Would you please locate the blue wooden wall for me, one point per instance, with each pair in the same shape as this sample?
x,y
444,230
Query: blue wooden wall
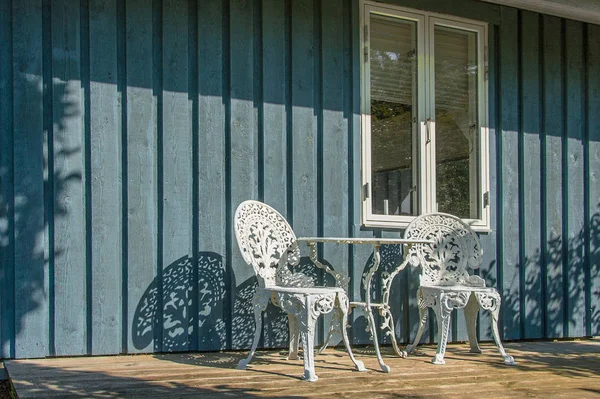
x,y
131,129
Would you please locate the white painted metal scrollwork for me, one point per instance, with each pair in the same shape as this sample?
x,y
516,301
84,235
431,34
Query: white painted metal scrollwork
x,y
456,248
387,320
491,301
264,238
445,282
488,300
324,304
368,304
340,276
269,245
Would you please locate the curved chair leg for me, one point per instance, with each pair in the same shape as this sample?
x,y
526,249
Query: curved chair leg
x,y
492,302
260,302
307,333
422,321
470,312
442,313
342,300
294,336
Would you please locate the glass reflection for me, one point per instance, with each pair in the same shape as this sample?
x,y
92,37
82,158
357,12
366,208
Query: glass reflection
x,y
456,122
393,64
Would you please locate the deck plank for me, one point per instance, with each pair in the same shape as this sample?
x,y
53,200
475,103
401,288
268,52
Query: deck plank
x,y
545,369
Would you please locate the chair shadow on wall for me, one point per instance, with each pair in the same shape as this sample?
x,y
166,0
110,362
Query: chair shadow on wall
x,y
190,307
183,308
186,310
178,314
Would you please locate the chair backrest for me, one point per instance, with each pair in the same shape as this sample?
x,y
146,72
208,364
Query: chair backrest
x,y
264,238
456,247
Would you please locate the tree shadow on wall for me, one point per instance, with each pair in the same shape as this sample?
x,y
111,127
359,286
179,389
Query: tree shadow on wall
x,y
545,289
37,176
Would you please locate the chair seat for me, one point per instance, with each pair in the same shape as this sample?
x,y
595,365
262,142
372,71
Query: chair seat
x,y
305,290
457,288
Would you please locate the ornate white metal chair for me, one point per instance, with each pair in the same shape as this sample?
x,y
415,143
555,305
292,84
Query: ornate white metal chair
x,y
445,282
269,245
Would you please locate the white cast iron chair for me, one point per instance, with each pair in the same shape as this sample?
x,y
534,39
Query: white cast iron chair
x,y
268,244
445,282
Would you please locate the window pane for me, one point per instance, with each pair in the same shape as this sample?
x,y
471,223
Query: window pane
x,y
393,65
456,122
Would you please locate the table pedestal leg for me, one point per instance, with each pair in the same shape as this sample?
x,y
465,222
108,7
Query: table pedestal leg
x,y
384,367
376,261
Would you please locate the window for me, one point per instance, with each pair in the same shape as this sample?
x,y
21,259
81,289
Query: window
x,y
424,117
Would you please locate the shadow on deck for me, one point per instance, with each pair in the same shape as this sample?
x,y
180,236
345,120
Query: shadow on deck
x,y
544,369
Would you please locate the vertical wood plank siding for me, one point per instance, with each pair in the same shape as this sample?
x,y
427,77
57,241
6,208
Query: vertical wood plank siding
x,y
592,178
553,132
274,132
530,189
509,207
106,109
7,203
32,176
68,183
130,130
212,292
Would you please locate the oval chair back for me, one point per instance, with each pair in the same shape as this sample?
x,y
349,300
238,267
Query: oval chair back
x,y
456,249
265,240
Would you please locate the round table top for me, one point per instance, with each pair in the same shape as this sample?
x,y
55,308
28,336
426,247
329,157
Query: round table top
x,y
364,240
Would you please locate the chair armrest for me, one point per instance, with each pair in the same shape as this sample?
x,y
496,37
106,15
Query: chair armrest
x,y
284,276
341,278
476,281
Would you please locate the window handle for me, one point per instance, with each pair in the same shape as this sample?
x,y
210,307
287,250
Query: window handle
x,y
428,126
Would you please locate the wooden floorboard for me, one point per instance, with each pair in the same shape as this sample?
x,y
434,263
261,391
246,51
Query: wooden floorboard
x,y
564,369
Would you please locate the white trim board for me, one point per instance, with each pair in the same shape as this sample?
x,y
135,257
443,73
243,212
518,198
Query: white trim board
x,y
581,10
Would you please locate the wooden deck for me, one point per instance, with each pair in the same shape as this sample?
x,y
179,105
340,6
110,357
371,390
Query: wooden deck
x,y
545,369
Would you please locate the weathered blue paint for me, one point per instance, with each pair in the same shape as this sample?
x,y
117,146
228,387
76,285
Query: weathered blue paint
x,y
212,178
68,188
177,149
592,155
141,184
508,180
530,183
7,228
552,170
274,124
106,197
574,164
130,130
30,154
489,267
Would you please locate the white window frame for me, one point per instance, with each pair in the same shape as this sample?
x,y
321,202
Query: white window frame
x,y
423,150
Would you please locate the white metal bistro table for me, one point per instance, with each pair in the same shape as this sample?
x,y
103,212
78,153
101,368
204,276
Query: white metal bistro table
x,y
342,280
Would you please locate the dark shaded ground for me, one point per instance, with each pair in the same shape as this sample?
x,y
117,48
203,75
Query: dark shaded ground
x,y
5,390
